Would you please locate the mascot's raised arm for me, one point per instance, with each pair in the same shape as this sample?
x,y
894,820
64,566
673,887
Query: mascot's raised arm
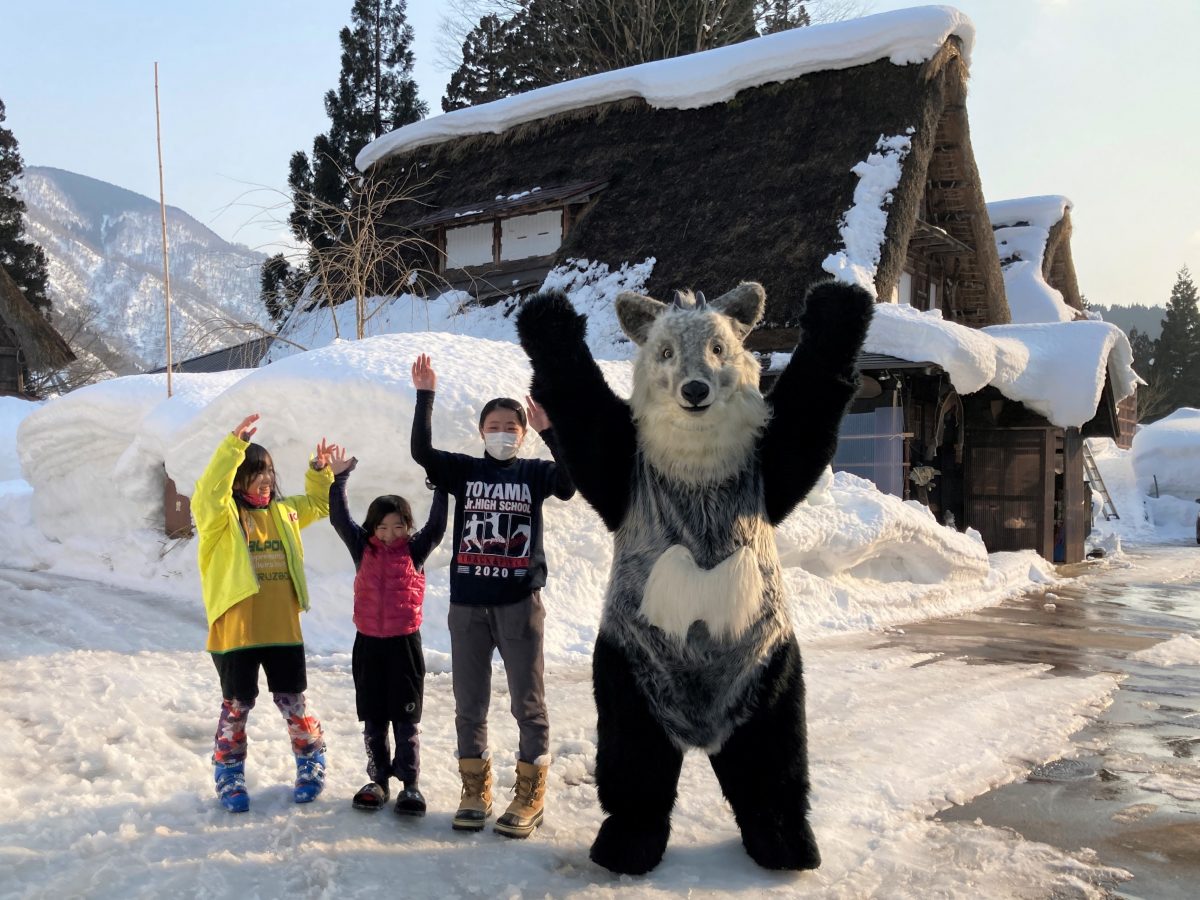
x,y
696,648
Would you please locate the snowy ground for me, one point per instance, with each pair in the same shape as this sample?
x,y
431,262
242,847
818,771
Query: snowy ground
x,y
108,789
113,717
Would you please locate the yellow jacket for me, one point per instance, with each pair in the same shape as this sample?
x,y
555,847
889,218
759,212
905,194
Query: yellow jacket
x,y
226,573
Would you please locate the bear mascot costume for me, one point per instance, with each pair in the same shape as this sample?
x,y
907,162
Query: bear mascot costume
x,y
696,647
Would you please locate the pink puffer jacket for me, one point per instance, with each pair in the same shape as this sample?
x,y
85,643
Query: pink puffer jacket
x,y
388,590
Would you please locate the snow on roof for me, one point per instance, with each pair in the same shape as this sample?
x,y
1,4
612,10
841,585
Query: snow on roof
x,y
1021,229
1056,369
701,79
1168,452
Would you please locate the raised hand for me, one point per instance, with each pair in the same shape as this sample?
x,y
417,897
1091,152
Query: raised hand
x,y
538,420
338,461
244,429
424,378
324,452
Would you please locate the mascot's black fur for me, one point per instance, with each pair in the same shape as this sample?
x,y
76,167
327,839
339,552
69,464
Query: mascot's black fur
x,y
696,648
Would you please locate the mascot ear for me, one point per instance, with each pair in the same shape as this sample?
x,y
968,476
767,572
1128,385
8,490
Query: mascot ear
x,y
637,313
744,304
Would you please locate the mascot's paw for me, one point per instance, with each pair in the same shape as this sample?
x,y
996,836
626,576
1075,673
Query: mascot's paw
x,y
782,845
836,316
547,320
630,847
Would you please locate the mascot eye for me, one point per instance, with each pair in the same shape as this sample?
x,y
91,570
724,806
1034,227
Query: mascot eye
x,y
667,353
717,349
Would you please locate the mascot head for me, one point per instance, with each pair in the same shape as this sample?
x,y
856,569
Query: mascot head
x,y
695,387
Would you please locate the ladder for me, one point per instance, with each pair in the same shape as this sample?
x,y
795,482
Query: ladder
x,y
1092,473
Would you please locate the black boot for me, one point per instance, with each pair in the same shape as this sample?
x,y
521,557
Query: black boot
x,y
410,801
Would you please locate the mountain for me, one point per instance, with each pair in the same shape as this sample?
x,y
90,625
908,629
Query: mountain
x,y
1146,319
103,246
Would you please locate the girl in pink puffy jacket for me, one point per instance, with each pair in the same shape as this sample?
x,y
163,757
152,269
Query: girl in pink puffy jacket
x,y
388,663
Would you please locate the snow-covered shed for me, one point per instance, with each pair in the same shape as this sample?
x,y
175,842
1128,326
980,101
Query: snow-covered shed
x,y
781,159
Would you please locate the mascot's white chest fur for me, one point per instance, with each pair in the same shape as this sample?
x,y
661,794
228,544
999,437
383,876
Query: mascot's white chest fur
x,y
726,598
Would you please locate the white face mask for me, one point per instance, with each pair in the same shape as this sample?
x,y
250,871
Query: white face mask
x,y
501,444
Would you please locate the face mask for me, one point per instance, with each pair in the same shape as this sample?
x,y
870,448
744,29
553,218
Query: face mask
x,y
254,500
501,444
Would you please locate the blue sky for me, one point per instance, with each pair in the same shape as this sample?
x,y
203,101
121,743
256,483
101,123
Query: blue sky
x,y
1094,99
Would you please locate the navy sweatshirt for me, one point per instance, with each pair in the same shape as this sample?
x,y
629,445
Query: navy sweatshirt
x,y
497,533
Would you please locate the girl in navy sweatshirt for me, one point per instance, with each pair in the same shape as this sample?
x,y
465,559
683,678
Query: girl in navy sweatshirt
x,y
388,663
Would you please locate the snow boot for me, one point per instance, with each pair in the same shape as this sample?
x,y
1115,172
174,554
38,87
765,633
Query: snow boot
x,y
231,786
410,801
525,812
310,776
475,804
371,796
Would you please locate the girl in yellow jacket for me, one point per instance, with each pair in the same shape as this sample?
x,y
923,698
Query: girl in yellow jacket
x,y
252,577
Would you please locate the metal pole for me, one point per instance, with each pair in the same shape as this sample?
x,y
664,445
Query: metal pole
x,y
162,205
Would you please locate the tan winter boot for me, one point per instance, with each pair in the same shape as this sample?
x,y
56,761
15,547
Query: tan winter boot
x,y
475,805
525,812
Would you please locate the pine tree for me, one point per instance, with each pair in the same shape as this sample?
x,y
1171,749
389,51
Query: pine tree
x,y
484,74
24,261
1176,368
772,16
280,287
376,94
543,42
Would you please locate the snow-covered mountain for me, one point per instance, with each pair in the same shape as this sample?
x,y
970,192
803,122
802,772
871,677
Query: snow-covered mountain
x,y
103,246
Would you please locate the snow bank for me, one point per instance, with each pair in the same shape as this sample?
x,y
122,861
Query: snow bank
x,y
592,286
1181,650
1168,451
1021,229
854,558
13,411
701,79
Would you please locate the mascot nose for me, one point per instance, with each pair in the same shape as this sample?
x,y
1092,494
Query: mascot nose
x,y
694,392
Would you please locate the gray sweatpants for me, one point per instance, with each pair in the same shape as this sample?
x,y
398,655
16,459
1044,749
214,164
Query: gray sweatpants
x,y
516,630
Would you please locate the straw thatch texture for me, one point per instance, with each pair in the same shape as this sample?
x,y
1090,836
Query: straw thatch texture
x,y
43,348
1058,266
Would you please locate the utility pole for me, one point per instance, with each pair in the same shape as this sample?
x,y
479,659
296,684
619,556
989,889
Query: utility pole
x,y
162,205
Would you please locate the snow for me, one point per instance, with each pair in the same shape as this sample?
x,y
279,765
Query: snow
x,y
1056,369
862,226
12,411
1022,228
1166,455
1181,650
129,743
904,37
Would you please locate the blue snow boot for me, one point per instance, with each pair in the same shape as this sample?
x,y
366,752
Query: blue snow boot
x,y
231,786
310,776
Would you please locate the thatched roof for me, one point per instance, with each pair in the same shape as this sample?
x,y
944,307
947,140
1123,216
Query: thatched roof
x,y
1058,267
43,347
752,188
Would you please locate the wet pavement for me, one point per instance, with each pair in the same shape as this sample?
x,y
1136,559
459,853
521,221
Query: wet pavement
x,y
1131,792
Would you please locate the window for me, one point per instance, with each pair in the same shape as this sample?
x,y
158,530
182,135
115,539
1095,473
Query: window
x,y
871,446
469,245
537,235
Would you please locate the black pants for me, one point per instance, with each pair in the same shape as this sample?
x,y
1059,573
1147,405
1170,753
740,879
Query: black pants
x,y
238,671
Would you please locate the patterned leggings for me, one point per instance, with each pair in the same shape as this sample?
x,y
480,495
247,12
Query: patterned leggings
x,y
230,742
406,764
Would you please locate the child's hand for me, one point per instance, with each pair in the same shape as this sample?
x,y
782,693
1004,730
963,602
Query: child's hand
x,y
243,429
338,461
324,452
538,420
424,378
